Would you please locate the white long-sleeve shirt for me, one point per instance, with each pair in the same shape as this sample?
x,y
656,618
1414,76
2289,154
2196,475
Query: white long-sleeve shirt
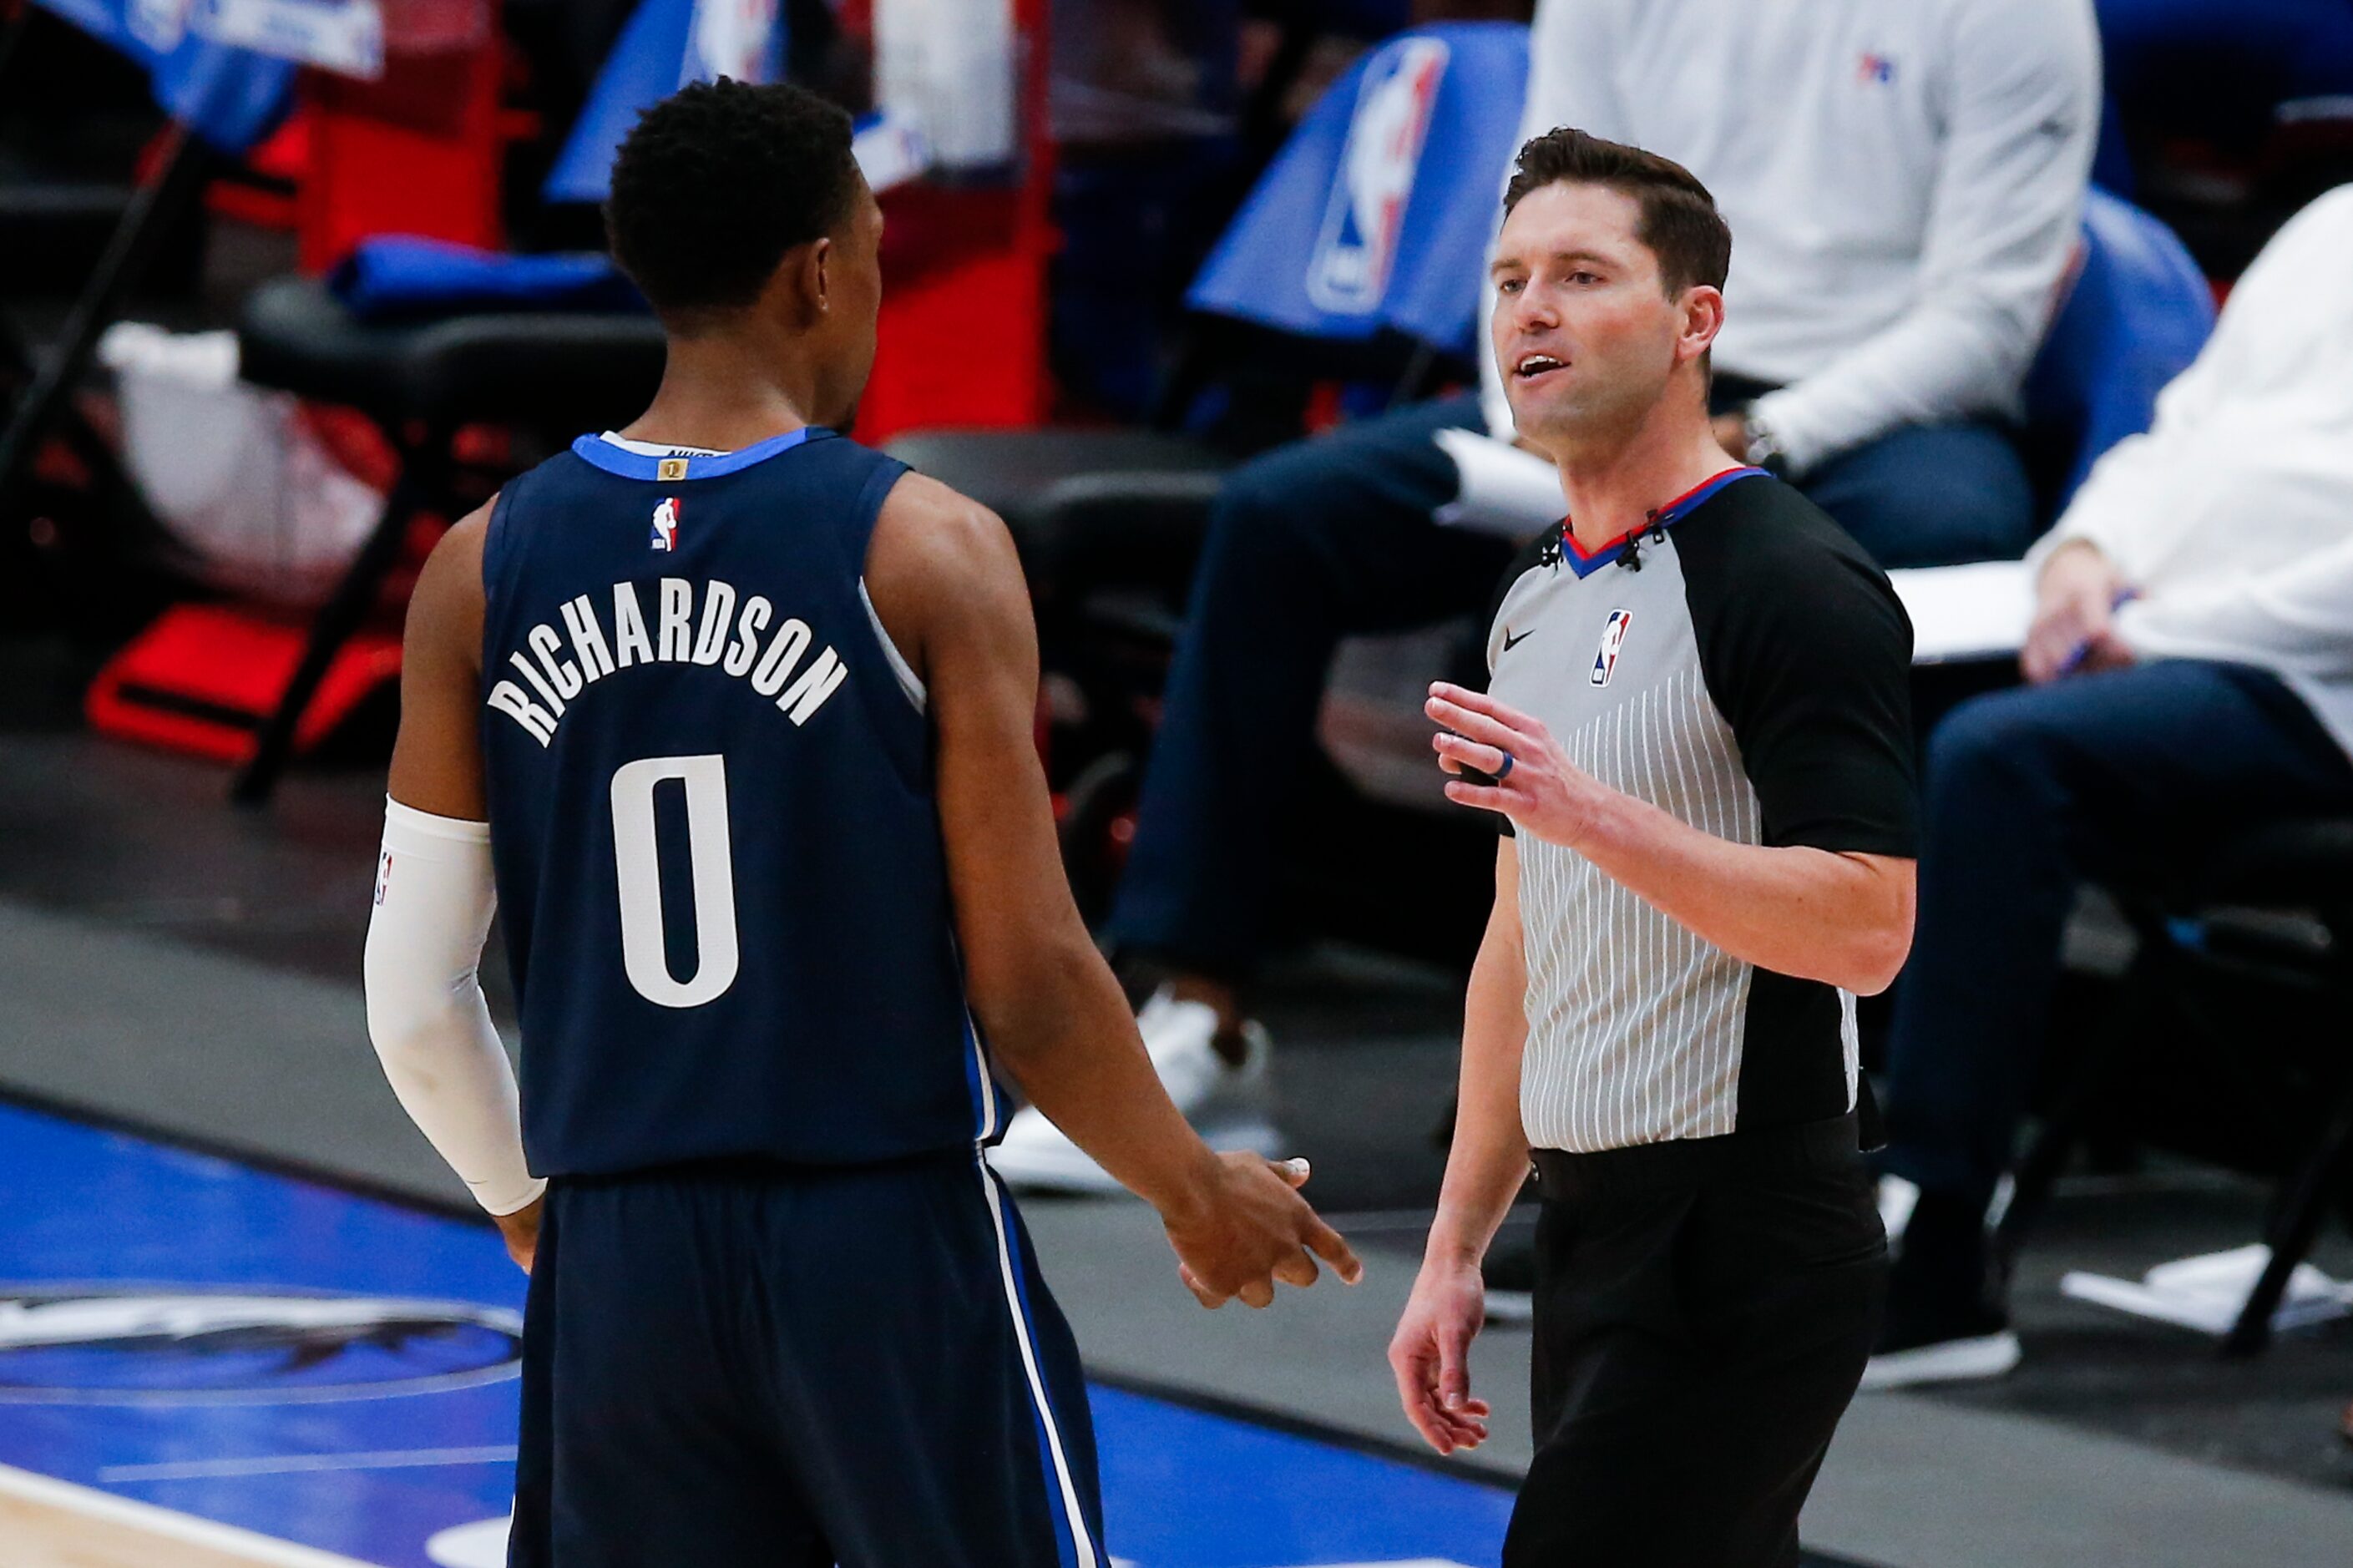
x,y
1903,184
2232,516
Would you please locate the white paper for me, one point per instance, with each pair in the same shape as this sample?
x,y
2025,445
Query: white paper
x,y
1505,491
949,67
341,35
2207,1293
1977,611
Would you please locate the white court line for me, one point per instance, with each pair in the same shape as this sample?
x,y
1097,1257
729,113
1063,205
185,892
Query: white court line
x,y
244,1545
301,1464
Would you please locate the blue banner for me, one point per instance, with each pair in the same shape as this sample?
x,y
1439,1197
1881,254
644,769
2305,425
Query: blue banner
x,y
1377,213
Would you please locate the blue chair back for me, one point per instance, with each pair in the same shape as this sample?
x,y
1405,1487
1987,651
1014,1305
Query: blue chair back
x,y
660,50
2137,309
231,97
1377,215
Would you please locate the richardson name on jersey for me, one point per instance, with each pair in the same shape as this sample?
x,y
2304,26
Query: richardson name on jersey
x,y
556,667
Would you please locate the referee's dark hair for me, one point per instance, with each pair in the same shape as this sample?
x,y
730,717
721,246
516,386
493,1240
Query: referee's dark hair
x,y
715,184
1679,222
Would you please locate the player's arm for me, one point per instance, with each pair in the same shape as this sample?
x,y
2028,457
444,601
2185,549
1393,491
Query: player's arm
x,y
946,583
1430,1351
433,902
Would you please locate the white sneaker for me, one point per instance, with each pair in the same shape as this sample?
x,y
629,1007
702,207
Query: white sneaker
x,y
1897,1199
1230,1104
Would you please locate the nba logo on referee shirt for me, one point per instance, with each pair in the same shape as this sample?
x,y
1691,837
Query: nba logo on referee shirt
x,y
666,524
1613,638
1363,221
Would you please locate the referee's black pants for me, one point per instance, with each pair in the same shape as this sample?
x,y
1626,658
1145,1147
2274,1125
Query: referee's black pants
x,y
1701,1322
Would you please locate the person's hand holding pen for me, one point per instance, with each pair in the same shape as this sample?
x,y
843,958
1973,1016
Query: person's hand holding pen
x,y
2076,600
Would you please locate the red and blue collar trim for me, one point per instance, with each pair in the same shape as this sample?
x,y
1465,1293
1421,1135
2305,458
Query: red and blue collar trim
x,y
1667,516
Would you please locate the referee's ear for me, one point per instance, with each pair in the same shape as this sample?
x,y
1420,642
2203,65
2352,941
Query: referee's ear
x,y
1701,306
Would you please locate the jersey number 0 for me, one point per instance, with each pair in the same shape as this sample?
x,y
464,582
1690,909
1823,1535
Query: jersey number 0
x,y
637,858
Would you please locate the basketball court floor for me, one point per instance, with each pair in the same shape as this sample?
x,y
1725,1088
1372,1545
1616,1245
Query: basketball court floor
x,y
244,1318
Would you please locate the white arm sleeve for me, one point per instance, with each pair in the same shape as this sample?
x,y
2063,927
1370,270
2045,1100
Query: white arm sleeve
x,y
432,1030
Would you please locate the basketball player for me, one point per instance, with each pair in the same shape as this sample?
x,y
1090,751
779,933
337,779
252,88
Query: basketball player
x,y
733,716
1697,740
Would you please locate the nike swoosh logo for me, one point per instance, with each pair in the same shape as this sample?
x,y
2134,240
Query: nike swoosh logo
x,y
1510,642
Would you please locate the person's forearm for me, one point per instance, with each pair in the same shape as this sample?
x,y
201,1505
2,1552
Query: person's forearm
x,y
1797,911
1489,1158
425,1015
1063,1030
1930,366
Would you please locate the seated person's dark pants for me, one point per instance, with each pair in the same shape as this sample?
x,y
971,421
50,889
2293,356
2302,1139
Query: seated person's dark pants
x,y
2029,791
1332,538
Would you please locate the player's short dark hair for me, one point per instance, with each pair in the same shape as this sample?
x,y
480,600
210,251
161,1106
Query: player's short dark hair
x,y
1679,222
717,181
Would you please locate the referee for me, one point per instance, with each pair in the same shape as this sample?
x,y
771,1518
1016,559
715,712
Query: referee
x,y
1698,740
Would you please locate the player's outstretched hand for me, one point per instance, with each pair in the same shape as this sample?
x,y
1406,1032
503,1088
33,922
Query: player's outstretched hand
x,y
1252,1229
1430,1354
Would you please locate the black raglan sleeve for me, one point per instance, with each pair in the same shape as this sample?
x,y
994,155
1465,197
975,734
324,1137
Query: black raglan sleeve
x,y
1807,652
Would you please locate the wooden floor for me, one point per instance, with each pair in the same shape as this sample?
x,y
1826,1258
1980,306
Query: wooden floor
x,y
47,1523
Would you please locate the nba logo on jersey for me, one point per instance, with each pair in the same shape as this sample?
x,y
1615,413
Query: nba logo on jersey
x,y
666,524
1349,270
1613,638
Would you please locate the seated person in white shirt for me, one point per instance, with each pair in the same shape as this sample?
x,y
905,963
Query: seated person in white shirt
x,y
1904,185
2190,660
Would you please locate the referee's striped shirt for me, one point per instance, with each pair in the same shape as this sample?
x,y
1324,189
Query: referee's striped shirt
x,y
1742,665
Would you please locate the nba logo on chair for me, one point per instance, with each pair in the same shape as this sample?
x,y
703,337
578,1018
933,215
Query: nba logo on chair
x,y
1349,270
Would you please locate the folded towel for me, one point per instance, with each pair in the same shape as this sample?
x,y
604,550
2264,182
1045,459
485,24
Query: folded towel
x,y
400,277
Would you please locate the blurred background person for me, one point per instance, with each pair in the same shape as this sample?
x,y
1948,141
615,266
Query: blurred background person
x,y
2191,658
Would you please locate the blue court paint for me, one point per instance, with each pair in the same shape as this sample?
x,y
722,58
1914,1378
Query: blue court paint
x,y
336,1370
1184,1488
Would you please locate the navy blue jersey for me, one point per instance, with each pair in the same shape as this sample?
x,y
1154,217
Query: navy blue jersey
x,y
717,850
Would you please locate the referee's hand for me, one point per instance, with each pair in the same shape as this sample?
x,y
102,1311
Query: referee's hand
x,y
1253,1229
1523,771
1430,1353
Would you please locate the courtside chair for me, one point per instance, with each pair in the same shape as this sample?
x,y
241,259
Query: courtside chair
x,y
2135,309
546,373
219,102
2269,904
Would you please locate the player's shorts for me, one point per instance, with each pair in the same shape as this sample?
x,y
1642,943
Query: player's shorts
x,y
1703,1312
796,1369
